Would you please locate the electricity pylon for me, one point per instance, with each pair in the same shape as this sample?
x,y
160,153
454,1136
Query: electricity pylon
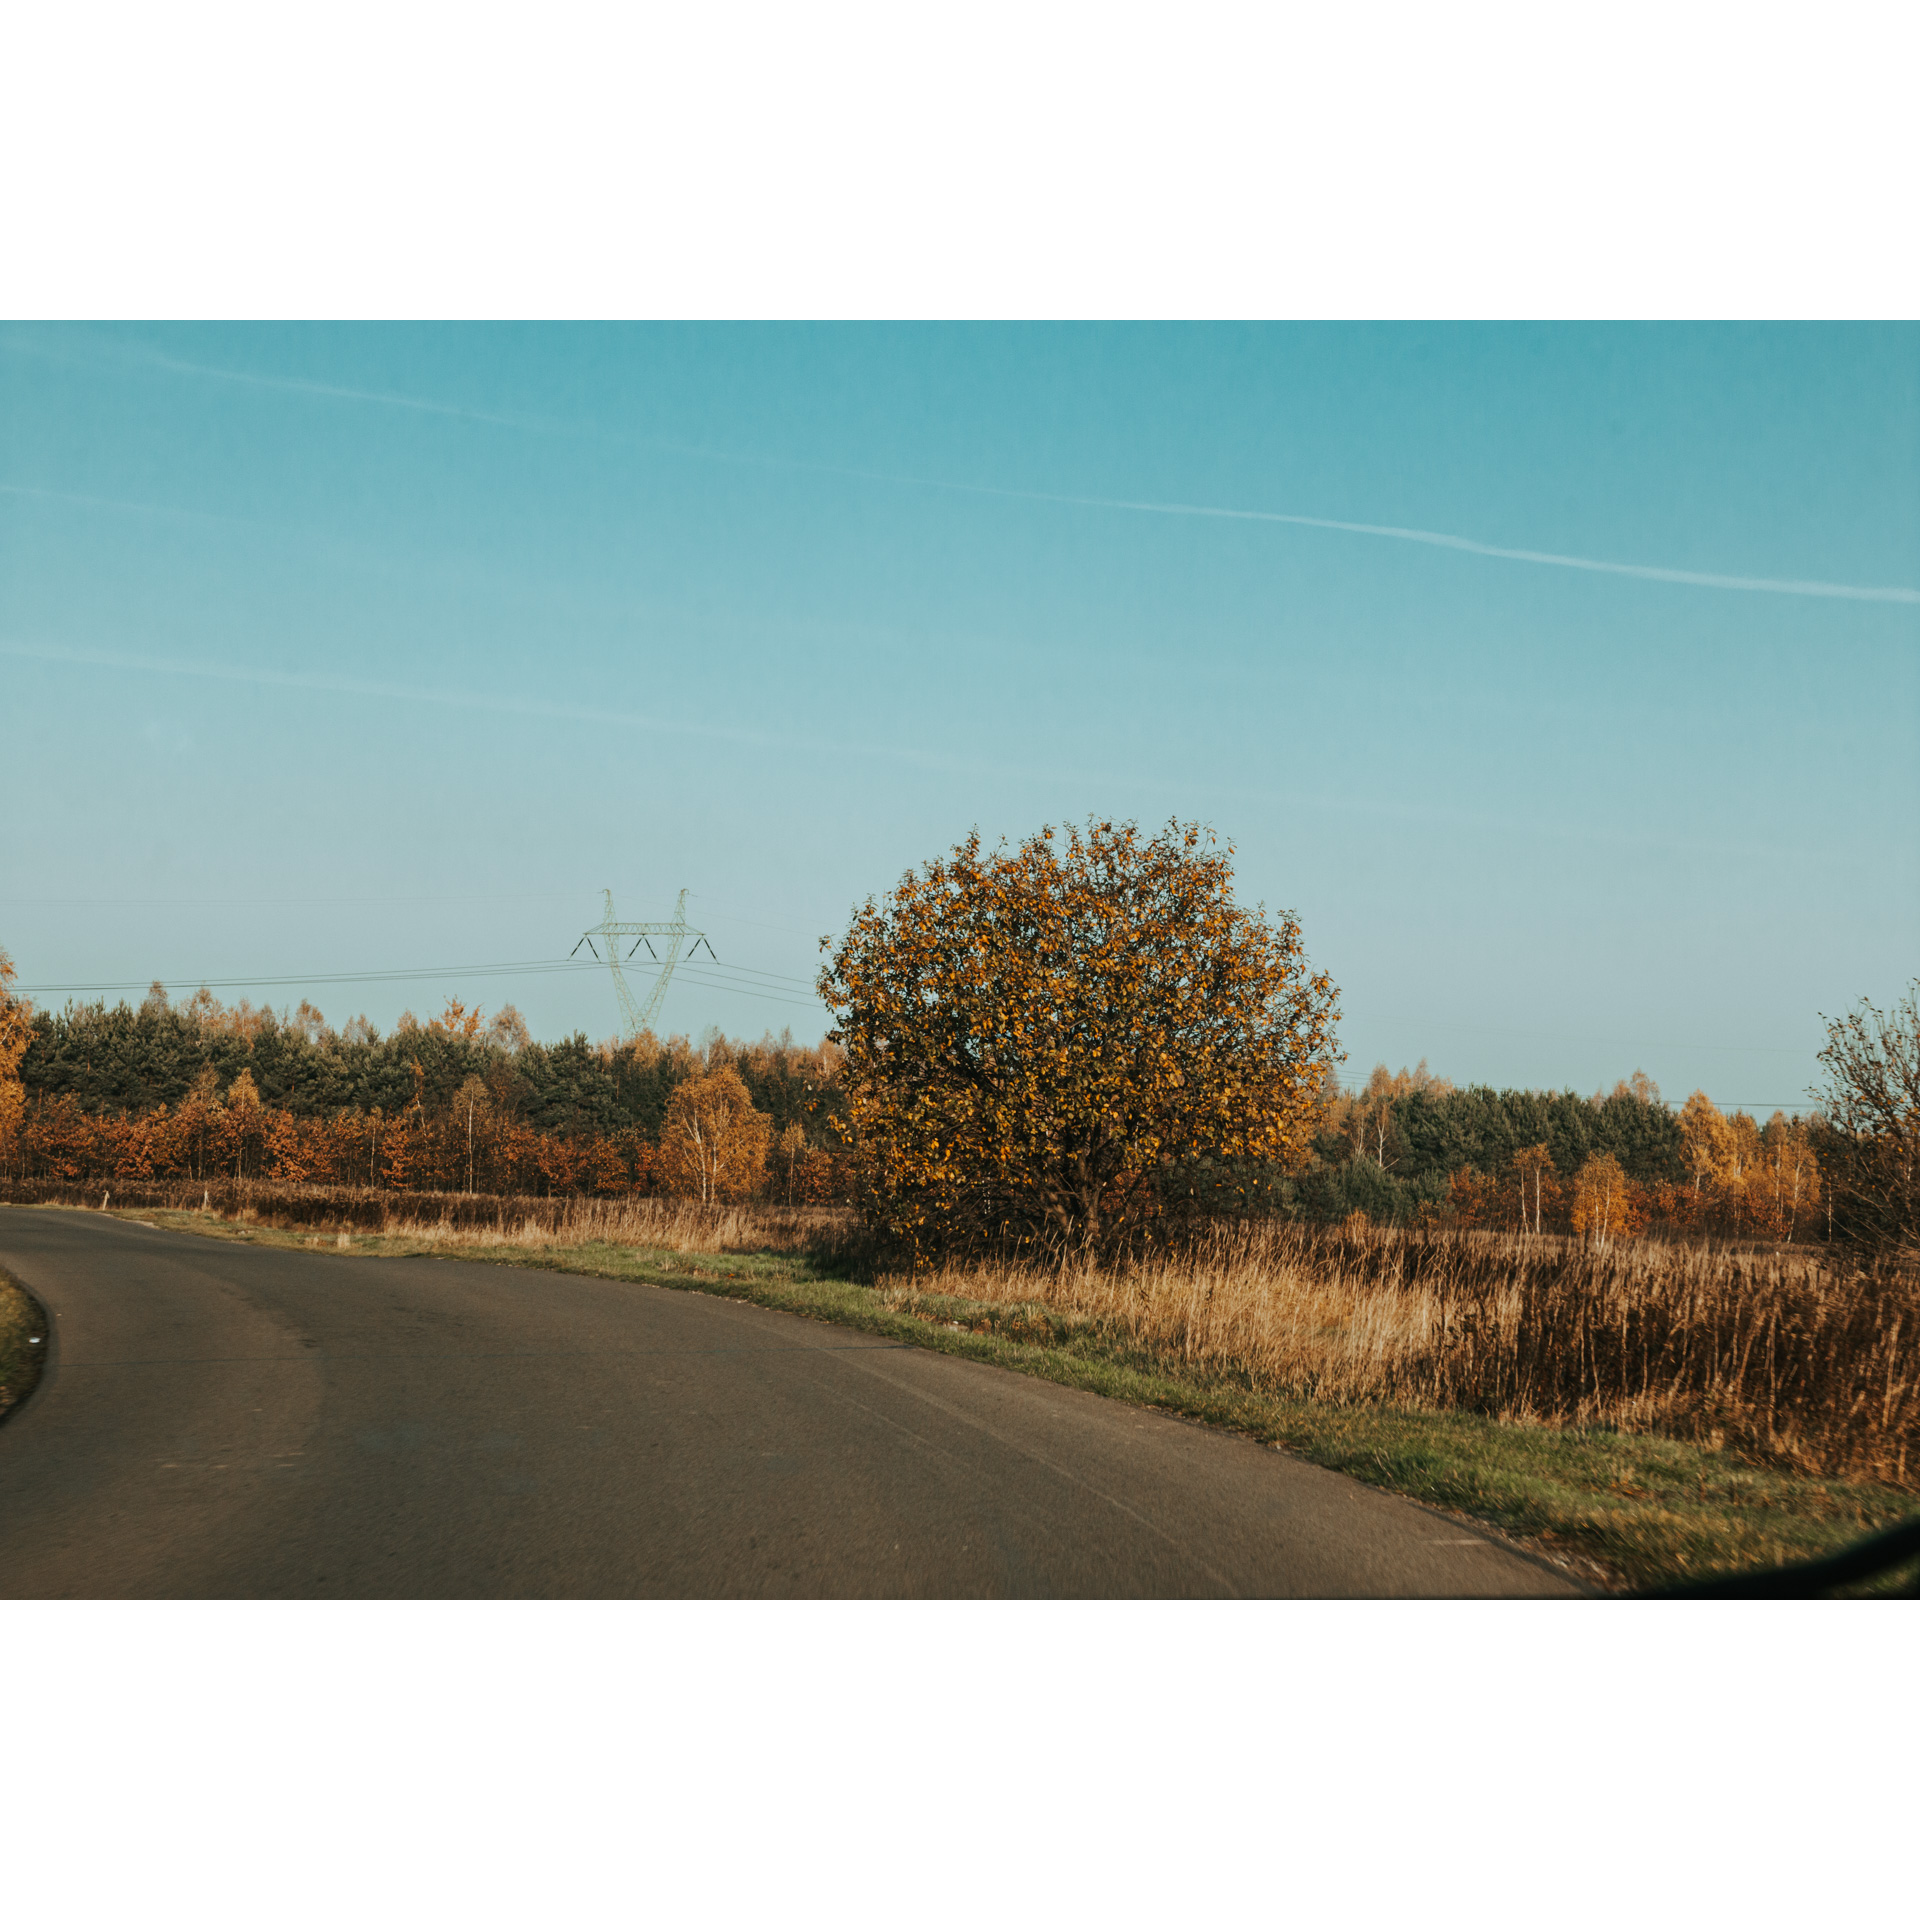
x,y
674,932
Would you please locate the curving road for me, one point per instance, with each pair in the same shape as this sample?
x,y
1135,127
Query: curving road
x,y
219,1420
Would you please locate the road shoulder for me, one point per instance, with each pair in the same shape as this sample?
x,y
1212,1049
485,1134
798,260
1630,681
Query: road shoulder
x,y
23,1343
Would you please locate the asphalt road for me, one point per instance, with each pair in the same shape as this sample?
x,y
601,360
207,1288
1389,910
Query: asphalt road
x,y
220,1420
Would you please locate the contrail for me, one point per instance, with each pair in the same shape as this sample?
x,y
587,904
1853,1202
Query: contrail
x,y
366,689
1078,780
1421,536
326,390
108,505
1679,576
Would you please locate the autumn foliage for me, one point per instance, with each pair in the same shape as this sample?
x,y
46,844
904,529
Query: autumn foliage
x,y
714,1143
1603,1201
459,1105
1047,1047
1871,1139
1742,1181
15,1032
1031,1035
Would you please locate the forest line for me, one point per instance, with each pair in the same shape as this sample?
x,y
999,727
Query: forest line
x,y
462,1103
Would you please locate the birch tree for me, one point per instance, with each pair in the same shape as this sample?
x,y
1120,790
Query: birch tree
x,y
714,1143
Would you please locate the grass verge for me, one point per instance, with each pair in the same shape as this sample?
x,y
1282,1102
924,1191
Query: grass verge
x,y
23,1343
1624,1510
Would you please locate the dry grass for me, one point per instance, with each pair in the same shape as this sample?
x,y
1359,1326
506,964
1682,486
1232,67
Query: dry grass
x,y
452,1221
1782,1356
679,1226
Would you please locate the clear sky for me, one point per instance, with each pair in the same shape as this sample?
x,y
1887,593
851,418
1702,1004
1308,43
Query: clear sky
x,y
351,649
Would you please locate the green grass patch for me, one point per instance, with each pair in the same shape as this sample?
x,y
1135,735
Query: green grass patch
x,y
23,1343
1625,1510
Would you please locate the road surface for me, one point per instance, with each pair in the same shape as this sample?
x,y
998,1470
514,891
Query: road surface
x,y
223,1420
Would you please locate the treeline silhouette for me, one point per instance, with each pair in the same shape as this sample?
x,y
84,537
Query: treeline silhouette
x,y
201,1090
1411,1148
458,1103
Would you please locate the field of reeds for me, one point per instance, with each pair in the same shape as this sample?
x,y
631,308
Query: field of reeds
x,y
1796,1359
1790,1359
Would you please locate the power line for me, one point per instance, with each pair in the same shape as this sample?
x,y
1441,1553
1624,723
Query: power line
x,y
482,968
702,972
1357,1083
761,973
279,899
495,970
1583,1039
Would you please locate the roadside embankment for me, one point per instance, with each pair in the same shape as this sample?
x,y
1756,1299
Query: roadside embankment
x,y
23,1343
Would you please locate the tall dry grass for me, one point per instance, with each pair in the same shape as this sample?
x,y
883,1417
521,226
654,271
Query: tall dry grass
x,y
1786,1357
453,1220
679,1226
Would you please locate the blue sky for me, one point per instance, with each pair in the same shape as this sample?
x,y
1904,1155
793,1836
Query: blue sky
x,y
348,649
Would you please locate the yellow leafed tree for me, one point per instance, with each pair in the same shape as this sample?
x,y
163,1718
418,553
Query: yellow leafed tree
x,y
1601,1199
16,1017
1538,1189
1783,1188
1743,1150
1709,1142
713,1142
471,1106
246,1124
459,1020
1031,1035
788,1152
